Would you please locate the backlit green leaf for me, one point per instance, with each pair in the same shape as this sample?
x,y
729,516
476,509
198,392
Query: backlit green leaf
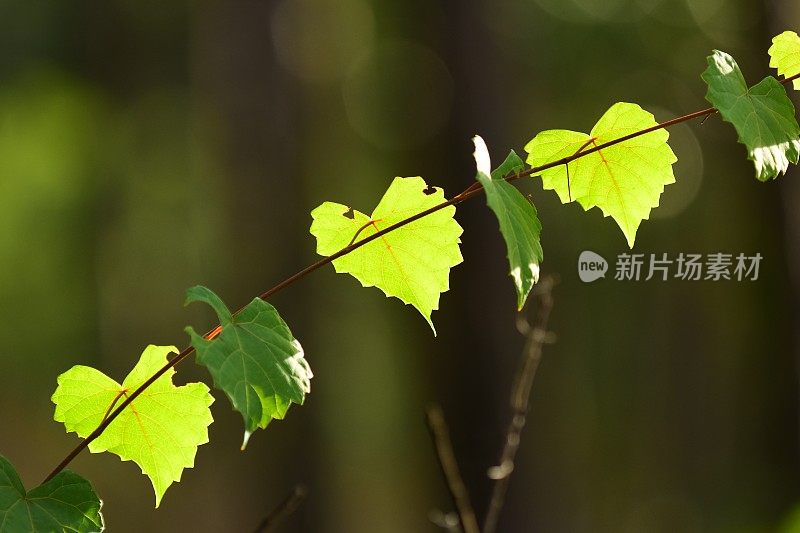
x,y
255,360
159,431
763,115
65,503
519,223
412,262
785,55
624,180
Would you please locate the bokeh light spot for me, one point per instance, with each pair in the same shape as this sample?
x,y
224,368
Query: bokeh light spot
x,y
317,40
398,96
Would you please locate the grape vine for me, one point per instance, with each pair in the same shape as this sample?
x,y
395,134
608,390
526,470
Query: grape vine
x,y
406,247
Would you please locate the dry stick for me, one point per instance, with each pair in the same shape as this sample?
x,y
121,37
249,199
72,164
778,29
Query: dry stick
x,y
520,393
440,434
536,336
288,506
469,192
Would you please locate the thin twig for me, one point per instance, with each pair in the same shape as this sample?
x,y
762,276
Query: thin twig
x,y
469,192
288,505
440,434
362,228
536,335
119,395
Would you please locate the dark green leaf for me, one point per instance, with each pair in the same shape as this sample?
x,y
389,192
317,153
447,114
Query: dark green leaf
x,y
519,223
255,360
65,503
763,115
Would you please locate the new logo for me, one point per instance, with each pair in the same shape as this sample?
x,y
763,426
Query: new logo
x,y
591,266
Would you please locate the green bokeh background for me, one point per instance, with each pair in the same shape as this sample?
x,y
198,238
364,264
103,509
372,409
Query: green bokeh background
x,y
146,147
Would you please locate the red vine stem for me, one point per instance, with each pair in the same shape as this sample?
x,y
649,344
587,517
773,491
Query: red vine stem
x,y
474,189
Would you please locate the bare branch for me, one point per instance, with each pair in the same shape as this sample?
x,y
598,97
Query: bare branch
x,y
536,335
440,434
288,505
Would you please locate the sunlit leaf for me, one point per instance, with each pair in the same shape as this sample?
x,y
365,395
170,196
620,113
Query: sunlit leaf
x,y
624,180
411,263
159,431
785,55
763,115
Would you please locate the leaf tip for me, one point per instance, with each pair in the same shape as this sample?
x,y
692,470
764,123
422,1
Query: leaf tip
x,y
193,335
481,155
429,320
245,440
199,293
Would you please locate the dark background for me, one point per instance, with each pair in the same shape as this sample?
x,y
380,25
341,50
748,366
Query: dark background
x,y
148,146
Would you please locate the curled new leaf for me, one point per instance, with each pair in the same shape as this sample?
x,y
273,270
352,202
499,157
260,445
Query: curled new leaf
x,y
65,503
412,262
785,55
762,115
159,431
255,360
519,222
624,180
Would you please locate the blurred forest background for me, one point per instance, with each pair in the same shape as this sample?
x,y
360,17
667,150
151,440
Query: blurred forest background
x,y
149,146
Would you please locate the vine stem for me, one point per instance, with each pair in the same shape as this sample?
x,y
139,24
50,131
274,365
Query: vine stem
x,y
467,193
